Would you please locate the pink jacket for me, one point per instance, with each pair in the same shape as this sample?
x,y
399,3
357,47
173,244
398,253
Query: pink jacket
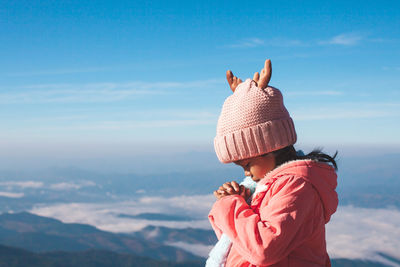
x,y
285,225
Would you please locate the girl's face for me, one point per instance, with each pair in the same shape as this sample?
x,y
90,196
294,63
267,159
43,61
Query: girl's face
x,y
257,167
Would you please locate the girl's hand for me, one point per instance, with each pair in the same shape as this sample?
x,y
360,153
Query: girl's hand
x,y
232,188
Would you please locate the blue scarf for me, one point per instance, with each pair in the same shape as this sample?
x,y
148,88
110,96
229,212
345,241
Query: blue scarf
x,y
218,255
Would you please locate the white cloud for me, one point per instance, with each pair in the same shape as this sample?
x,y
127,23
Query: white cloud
x,y
64,186
278,41
248,42
314,93
56,72
83,95
197,204
197,249
22,184
340,114
151,119
35,185
347,111
387,68
11,194
346,39
284,42
127,125
105,215
96,92
359,233
354,233
69,186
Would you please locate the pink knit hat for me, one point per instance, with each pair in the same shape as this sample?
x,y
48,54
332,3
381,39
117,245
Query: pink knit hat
x,y
253,122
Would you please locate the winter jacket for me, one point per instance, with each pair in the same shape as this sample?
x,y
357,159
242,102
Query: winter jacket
x,y
285,223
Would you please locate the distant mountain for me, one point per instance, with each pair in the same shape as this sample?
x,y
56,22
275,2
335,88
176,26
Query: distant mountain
x,y
207,237
356,263
14,257
105,187
41,234
366,181
48,242
369,181
156,217
162,234
125,184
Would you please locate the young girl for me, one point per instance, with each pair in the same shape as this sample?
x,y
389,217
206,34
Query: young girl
x,y
284,224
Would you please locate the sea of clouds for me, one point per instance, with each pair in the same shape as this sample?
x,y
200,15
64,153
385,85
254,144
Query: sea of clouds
x,y
18,189
352,233
106,216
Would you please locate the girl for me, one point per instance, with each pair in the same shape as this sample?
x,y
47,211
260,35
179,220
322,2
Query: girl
x,y
284,224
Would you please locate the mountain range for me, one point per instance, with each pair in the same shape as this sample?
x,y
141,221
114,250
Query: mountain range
x,y
31,240
16,257
41,234
370,181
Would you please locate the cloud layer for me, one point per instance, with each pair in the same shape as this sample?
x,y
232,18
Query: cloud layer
x,y
359,233
96,92
354,233
105,215
11,194
22,184
345,39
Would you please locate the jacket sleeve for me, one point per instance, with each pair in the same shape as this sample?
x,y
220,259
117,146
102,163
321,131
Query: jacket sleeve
x,y
283,224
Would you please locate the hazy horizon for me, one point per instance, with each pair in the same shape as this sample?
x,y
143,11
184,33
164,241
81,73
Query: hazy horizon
x,y
110,107
84,79
139,158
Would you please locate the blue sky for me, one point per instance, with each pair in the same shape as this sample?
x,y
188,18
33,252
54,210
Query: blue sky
x,y
98,77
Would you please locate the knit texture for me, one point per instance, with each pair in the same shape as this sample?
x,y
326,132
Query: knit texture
x,y
253,122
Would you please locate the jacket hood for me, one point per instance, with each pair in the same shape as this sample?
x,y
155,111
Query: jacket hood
x,y
321,175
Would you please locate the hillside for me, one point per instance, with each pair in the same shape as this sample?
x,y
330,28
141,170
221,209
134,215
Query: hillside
x,y
31,240
41,234
15,257
162,234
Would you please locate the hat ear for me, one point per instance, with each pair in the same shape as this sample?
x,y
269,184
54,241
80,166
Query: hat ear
x,y
233,81
261,79
265,75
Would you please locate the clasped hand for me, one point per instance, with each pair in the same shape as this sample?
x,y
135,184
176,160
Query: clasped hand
x,y
232,188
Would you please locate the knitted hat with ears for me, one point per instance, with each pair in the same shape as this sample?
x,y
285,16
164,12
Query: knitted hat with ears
x,y
253,122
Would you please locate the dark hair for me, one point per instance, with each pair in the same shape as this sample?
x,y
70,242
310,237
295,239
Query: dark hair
x,y
289,153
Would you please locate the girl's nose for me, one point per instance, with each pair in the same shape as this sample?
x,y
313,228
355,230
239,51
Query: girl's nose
x,y
247,173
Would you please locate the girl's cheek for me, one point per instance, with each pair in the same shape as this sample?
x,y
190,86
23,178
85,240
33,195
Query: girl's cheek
x,y
255,172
